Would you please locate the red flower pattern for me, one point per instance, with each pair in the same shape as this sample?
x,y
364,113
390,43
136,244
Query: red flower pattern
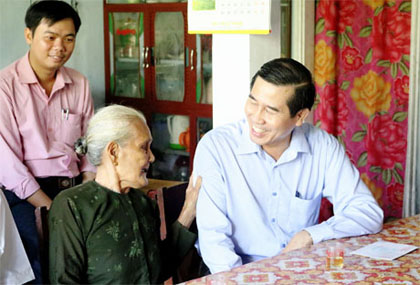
x,y
351,59
386,142
328,11
346,13
333,110
391,34
402,89
395,193
368,38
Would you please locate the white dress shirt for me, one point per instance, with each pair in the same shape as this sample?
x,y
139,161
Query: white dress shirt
x,y
250,205
14,264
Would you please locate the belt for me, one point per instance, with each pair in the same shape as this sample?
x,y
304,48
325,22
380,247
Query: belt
x,y
59,182
50,185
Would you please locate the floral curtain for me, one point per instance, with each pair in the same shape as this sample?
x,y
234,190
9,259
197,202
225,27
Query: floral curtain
x,y
362,52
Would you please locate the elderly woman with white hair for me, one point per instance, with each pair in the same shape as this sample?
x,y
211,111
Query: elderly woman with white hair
x,y
107,231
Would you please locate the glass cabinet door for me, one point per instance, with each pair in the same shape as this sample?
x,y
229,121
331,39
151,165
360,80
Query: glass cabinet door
x,y
204,84
169,56
127,57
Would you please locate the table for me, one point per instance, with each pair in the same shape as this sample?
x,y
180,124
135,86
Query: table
x,y
307,266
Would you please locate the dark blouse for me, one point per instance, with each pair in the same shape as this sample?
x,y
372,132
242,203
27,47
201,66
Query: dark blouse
x,y
100,236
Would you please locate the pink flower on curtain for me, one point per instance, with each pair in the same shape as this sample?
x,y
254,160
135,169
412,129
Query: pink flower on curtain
x,y
386,142
402,85
395,193
390,37
333,110
346,12
328,11
351,59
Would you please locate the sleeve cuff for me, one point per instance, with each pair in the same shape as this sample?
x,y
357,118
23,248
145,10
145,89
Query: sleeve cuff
x,y
27,188
182,239
320,232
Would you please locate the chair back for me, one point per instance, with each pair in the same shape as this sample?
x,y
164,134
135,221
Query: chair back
x,y
41,220
170,201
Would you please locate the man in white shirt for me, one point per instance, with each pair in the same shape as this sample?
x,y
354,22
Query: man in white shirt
x,y
264,177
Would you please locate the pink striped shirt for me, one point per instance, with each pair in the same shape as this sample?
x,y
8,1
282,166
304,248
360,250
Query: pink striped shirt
x,y
36,134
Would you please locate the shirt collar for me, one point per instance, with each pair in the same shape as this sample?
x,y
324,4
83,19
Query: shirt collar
x,y
245,145
27,74
298,143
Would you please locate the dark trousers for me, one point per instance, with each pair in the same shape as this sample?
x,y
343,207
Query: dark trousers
x,y
24,216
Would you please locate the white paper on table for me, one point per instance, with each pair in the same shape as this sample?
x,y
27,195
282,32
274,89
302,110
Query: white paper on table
x,y
385,250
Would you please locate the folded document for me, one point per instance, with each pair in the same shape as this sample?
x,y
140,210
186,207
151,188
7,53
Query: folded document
x,y
385,250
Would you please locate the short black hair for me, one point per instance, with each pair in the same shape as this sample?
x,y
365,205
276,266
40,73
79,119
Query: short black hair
x,y
287,71
52,11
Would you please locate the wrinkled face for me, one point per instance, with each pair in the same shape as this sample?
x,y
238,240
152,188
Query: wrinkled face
x,y
51,46
268,116
135,156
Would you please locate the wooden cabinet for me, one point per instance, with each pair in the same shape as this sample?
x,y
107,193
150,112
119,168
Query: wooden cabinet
x,y
155,66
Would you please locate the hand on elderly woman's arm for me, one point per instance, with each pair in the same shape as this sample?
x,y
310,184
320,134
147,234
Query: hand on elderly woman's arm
x,y
189,209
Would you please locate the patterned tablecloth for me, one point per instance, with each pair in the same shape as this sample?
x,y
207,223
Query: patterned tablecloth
x,y
308,266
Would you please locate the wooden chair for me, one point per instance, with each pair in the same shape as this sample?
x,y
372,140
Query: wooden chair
x,y
41,219
170,201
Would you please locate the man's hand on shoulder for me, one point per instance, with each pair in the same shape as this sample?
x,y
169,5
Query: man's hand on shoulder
x,y
301,239
188,211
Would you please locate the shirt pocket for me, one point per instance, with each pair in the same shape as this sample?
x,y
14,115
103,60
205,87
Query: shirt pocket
x,y
71,129
303,213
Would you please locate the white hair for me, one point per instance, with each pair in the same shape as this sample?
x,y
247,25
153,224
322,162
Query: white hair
x,y
111,123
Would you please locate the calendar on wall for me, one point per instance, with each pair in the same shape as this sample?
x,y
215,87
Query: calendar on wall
x,y
229,16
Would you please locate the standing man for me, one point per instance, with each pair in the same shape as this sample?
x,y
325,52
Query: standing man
x,y
264,177
44,108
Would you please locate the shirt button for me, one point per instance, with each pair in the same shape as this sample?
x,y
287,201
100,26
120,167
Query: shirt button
x,y
274,193
273,220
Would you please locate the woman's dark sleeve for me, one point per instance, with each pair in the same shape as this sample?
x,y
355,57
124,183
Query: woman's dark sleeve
x,y
178,242
66,246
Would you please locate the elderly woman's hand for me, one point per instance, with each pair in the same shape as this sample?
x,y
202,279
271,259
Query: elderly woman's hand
x,y
189,209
